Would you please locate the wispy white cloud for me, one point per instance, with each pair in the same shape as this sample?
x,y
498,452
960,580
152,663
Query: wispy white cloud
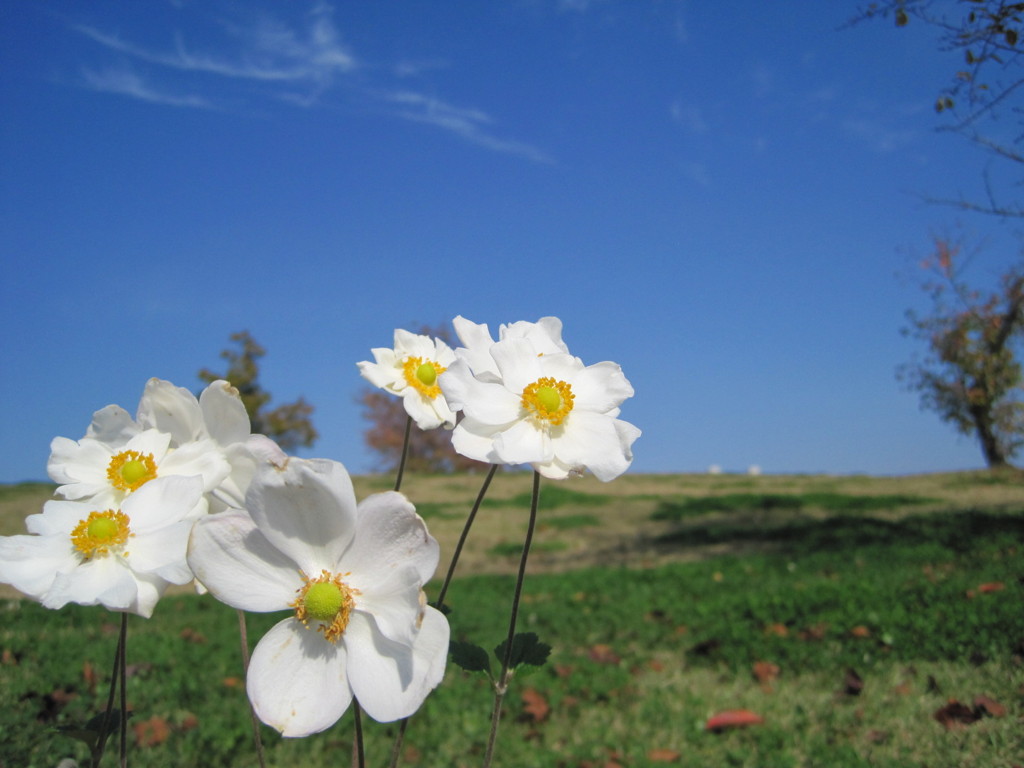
x,y
879,136
689,116
297,64
124,82
467,123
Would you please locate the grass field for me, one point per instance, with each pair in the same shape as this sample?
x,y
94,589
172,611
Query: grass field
x,y
849,613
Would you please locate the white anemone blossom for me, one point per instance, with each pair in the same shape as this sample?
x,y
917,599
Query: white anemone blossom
x,y
352,576
545,335
172,434
121,558
411,371
547,410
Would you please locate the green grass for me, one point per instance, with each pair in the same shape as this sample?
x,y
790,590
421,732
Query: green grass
x,y
836,503
640,659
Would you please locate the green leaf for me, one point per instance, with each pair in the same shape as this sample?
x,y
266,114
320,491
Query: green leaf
x,y
471,658
90,732
526,649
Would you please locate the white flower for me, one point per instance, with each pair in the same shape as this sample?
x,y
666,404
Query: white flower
x,y
352,577
545,335
173,434
545,410
411,371
120,558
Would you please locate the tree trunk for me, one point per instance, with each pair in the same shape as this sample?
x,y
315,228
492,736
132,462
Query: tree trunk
x,y
991,447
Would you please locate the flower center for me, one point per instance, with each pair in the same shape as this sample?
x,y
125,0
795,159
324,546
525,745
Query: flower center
x,y
422,375
101,532
128,470
327,601
548,400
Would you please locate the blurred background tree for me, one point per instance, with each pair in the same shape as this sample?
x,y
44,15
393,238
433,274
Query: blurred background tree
x,y
971,376
289,424
429,451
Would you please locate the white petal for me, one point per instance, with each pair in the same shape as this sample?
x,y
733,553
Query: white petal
x,y
171,409
105,580
232,559
383,375
306,509
391,680
518,362
475,440
591,440
422,410
80,467
30,563
523,443
203,458
601,387
224,413
297,681
389,534
164,501
59,517
162,553
488,402
112,425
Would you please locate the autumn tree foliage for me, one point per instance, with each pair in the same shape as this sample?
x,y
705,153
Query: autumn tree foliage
x,y
429,451
289,424
971,375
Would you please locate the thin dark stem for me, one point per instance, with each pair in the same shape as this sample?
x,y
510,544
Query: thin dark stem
x,y
256,739
405,453
123,645
465,535
501,686
358,758
101,741
396,749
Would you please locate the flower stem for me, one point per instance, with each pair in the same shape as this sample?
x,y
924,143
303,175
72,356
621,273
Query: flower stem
x,y
123,674
256,740
358,758
465,533
405,453
501,685
101,740
396,749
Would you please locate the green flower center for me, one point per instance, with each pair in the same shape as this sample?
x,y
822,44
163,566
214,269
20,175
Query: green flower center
x,y
323,601
422,375
102,528
326,601
548,398
129,470
427,373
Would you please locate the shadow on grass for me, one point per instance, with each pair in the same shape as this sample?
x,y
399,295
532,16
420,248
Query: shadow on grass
x,y
955,531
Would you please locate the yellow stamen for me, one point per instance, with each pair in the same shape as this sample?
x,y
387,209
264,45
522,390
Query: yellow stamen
x,y
101,532
129,470
422,375
326,600
548,400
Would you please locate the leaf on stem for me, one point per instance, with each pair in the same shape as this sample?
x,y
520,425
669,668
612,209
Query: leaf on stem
x,y
526,649
470,657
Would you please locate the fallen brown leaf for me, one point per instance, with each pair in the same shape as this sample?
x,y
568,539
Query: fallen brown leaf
x,y
152,732
991,586
955,715
535,707
663,755
860,631
603,654
776,629
765,672
732,718
984,705
852,683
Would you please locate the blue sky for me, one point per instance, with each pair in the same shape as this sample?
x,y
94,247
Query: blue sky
x,y
728,206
